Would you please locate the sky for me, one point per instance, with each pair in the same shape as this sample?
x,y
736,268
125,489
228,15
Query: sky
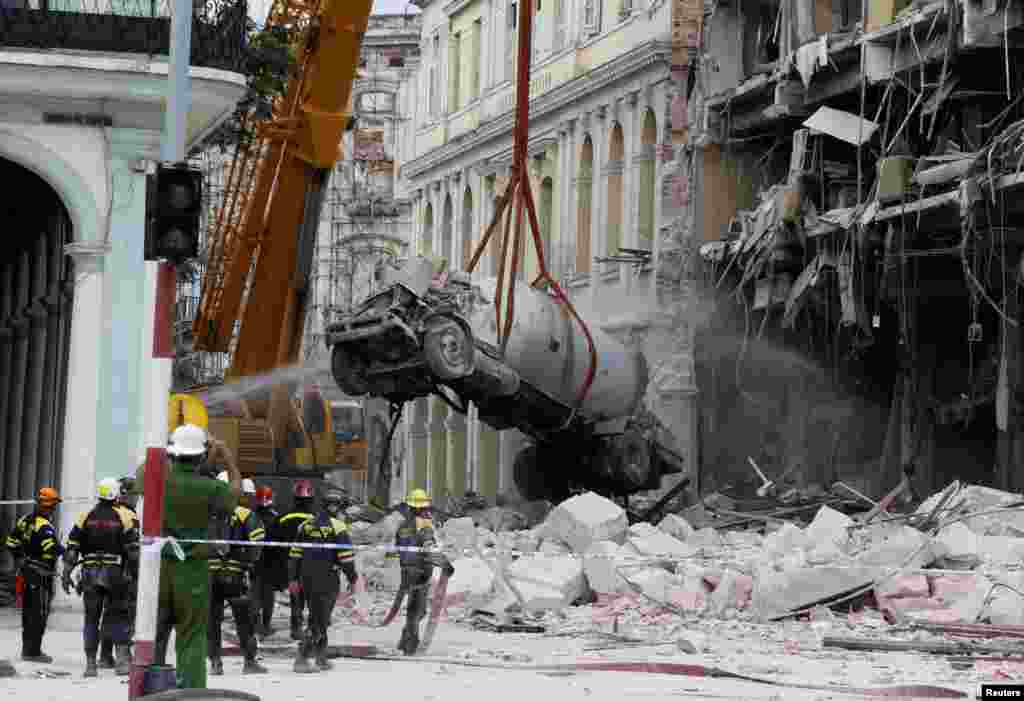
x,y
258,8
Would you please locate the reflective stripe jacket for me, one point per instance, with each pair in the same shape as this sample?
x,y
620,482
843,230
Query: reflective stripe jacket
x,y
34,539
415,532
243,525
107,535
323,528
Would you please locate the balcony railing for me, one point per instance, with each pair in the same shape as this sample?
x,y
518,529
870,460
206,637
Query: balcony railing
x,y
126,26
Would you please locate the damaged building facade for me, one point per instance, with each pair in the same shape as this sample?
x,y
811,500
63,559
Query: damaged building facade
x,y
853,174
601,91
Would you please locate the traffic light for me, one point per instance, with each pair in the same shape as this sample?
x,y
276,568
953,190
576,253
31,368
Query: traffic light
x,y
174,200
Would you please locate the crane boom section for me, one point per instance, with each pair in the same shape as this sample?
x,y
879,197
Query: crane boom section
x,y
264,237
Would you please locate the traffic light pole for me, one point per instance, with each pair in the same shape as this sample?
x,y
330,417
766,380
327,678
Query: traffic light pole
x,y
172,151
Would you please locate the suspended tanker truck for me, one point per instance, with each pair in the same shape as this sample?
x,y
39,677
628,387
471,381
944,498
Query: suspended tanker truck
x,y
418,338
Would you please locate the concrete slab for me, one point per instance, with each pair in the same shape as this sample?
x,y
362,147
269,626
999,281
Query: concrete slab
x,y
645,540
599,566
676,526
544,575
586,519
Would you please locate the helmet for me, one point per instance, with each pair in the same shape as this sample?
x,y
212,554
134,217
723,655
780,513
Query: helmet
x,y
248,486
223,476
48,497
335,497
264,496
187,440
108,489
303,489
418,499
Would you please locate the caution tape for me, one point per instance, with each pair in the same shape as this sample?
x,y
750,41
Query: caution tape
x,y
639,560
18,502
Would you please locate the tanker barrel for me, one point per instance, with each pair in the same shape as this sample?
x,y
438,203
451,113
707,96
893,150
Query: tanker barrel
x,y
493,378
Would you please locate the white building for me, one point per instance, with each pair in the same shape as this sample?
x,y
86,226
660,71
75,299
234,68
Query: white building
x,y
82,110
601,92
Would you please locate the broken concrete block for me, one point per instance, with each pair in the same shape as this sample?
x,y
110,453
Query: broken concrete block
x,y
730,589
526,542
385,530
692,595
473,581
706,538
648,541
1005,607
825,553
459,535
907,586
676,526
906,547
778,593
485,538
1001,550
563,575
786,539
361,533
586,519
600,564
553,547
654,582
829,526
960,544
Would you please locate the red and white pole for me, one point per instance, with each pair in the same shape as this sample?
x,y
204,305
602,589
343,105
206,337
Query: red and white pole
x,y
154,482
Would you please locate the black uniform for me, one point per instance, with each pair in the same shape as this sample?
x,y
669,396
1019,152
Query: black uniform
x,y
269,575
417,531
107,540
230,574
34,542
132,568
317,570
285,531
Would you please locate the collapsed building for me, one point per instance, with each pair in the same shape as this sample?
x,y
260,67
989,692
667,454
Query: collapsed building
x,y
851,175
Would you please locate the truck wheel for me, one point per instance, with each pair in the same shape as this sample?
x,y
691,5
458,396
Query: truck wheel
x,y
629,457
348,372
448,348
533,483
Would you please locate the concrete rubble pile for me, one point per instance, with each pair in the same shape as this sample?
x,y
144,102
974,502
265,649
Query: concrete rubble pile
x,y
584,562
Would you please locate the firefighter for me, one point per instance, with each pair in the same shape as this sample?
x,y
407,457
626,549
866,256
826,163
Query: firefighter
x,y
107,539
126,501
268,575
284,532
315,572
230,582
35,547
185,584
417,531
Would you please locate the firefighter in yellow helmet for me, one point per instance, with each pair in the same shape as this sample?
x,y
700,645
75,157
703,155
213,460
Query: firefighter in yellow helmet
x,y
35,548
416,535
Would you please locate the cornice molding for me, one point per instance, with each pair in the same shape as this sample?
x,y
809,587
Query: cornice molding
x,y
565,95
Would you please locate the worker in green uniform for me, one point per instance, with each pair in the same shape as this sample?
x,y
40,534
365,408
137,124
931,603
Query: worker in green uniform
x,y
185,584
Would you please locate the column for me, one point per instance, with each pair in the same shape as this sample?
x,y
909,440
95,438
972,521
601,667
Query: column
x,y
663,153
38,345
631,174
512,441
121,331
488,461
457,190
437,225
419,444
456,456
570,201
438,465
83,378
598,194
19,335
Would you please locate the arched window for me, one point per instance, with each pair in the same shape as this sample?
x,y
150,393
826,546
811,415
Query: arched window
x,y
584,188
647,194
616,150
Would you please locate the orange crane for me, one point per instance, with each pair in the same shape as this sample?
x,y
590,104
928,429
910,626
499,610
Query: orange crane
x,y
262,242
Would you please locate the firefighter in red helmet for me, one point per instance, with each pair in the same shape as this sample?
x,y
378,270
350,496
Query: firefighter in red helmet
x,y
285,531
268,574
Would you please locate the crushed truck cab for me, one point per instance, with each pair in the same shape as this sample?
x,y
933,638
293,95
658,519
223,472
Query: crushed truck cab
x,y
422,336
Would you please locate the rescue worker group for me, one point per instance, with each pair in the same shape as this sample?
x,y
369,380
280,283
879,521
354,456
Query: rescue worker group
x,y
199,579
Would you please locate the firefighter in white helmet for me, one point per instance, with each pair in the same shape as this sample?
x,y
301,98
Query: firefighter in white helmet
x,y
231,580
107,539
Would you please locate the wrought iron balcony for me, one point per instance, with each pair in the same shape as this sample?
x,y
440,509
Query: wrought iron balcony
x,y
126,26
